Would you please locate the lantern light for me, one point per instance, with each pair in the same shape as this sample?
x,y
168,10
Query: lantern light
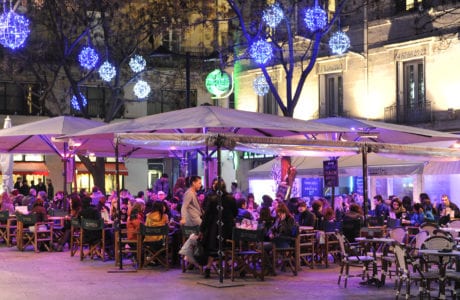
x,y
141,89
88,58
218,82
339,42
74,102
315,18
260,85
107,71
273,15
14,30
137,63
261,52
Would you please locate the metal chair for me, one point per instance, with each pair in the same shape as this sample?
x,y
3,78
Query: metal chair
x,y
349,258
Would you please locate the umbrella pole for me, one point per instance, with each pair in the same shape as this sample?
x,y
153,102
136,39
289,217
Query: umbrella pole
x,y
364,151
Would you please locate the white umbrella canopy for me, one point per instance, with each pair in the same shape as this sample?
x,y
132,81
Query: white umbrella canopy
x,y
40,136
6,161
199,120
374,131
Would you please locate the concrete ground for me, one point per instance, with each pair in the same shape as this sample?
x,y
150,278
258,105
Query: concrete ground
x,y
56,275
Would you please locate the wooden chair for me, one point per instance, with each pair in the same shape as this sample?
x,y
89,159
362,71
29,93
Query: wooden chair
x,y
331,244
186,233
154,254
92,236
307,247
247,254
11,230
4,216
74,244
350,258
132,247
33,233
287,256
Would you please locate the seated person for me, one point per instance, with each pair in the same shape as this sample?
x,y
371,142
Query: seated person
x,y
418,217
157,217
304,217
352,222
243,213
39,209
91,213
284,226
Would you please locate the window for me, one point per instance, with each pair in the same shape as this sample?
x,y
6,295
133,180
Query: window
x,y
20,98
172,40
267,104
96,97
333,96
168,100
414,83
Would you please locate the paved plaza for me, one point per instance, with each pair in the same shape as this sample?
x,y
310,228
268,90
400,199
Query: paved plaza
x,y
56,275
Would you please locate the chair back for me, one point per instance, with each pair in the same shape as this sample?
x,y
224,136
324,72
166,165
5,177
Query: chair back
x,y
154,230
420,238
351,228
4,215
75,222
88,224
400,254
375,221
438,243
454,224
439,232
398,234
27,220
393,223
430,227
244,235
188,230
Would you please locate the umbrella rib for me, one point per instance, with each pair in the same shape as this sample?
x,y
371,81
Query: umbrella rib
x,y
49,143
20,143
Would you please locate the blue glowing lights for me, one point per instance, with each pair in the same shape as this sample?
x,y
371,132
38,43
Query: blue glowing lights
x,y
137,63
339,43
74,102
107,71
260,85
261,52
88,58
14,30
315,18
273,15
141,89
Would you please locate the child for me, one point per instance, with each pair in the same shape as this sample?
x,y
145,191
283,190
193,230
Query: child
x,y
418,217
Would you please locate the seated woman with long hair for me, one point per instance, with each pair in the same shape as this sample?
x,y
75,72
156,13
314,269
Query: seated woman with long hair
x,y
157,217
283,227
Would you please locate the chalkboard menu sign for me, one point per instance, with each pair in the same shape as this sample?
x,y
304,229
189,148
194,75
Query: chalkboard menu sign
x,y
331,173
312,187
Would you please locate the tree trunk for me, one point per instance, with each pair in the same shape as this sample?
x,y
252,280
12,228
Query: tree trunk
x,y
97,170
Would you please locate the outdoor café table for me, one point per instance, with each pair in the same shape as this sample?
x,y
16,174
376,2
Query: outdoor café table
x,y
442,266
375,244
452,230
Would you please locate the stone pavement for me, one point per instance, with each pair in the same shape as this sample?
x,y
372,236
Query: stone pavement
x,y
28,275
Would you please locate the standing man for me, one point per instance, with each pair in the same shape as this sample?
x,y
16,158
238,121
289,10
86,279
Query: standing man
x,y
191,211
50,188
162,184
40,186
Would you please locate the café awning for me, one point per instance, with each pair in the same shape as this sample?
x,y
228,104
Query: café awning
x,y
110,168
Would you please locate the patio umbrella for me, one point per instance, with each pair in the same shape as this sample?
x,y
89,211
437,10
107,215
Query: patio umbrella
x,y
6,161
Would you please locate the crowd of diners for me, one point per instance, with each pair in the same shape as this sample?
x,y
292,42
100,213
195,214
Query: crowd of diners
x,y
187,203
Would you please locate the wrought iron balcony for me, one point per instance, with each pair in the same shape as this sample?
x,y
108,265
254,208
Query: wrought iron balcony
x,y
409,114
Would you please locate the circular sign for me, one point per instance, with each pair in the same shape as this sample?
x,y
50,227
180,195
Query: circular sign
x,y
218,82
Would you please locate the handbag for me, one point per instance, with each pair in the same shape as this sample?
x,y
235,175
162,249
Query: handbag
x,y
199,253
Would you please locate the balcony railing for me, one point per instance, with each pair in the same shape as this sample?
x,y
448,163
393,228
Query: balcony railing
x,y
404,114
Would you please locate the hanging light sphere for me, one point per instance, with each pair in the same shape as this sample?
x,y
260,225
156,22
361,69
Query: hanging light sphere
x,y
14,30
141,89
339,42
315,18
273,15
74,102
88,58
261,52
107,71
260,85
137,63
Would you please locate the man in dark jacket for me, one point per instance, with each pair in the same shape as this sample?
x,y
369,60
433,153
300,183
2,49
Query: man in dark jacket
x,y
304,217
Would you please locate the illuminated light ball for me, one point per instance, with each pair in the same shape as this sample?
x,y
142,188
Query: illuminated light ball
x,y
137,63
339,42
218,82
88,58
315,18
74,101
260,86
14,30
261,52
273,15
141,89
107,71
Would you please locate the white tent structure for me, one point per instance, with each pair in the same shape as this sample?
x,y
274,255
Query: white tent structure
x,y
6,162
